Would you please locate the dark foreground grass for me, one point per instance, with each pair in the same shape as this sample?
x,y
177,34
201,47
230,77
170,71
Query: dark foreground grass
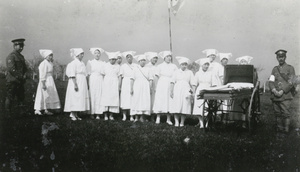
x,y
55,143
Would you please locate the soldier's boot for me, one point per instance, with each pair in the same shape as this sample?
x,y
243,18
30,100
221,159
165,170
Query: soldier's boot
x,y
21,109
8,108
279,124
286,125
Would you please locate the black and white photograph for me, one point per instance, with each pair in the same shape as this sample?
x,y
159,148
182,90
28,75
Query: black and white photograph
x,y
149,85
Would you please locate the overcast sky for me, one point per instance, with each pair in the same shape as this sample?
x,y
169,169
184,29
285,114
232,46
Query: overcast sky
x,y
242,27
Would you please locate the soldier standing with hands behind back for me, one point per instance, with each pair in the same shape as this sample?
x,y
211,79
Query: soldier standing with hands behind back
x,y
282,90
16,74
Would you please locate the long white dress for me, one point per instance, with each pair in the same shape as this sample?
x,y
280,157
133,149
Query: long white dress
x,y
202,80
141,100
162,94
126,72
216,69
94,70
110,89
181,101
46,99
153,71
77,100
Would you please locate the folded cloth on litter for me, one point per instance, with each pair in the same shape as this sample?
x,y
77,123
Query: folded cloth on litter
x,y
231,86
239,85
222,87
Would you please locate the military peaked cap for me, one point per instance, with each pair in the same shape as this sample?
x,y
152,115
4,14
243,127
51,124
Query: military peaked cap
x,y
280,52
19,41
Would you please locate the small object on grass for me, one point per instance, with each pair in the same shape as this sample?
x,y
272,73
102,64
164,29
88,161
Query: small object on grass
x,y
187,140
52,156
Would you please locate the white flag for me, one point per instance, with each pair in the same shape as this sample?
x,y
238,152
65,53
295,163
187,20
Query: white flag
x,y
175,5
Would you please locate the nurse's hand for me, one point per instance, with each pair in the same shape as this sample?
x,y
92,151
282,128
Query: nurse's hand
x,y
172,94
44,87
280,93
131,92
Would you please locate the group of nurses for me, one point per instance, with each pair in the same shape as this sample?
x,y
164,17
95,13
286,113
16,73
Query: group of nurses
x,y
137,89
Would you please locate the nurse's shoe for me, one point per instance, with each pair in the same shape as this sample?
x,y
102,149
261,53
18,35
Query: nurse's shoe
x,y
142,119
181,125
176,124
72,116
131,118
105,118
169,122
97,117
48,113
111,118
124,118
157,121
136,119
37,112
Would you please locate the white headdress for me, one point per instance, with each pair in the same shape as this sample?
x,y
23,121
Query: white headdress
x,y
140,57
225,56
151,55
92,50
246,58
132,53
164,54
112,55
45,53
75,52
209,52
181,59
202,61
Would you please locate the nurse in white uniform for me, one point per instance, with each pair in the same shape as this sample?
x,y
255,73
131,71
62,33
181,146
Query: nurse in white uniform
x,y
126,73
141,83
224,58
162,96
214,66
153,58
46,95
77,96
94,71
181,91
204,78
110,89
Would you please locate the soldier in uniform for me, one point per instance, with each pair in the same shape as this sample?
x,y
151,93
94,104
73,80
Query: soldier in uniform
x,y
16,74
281,90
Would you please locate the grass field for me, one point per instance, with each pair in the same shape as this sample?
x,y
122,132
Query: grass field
x,y
55,143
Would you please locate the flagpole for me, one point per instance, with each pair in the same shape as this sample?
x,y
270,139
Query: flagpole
x,y
170,26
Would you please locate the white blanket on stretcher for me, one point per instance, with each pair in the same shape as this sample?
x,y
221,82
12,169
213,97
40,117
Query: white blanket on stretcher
x,y
232,86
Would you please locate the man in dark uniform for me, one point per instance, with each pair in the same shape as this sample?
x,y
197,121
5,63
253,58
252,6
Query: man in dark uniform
x,y
281,88
16,74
